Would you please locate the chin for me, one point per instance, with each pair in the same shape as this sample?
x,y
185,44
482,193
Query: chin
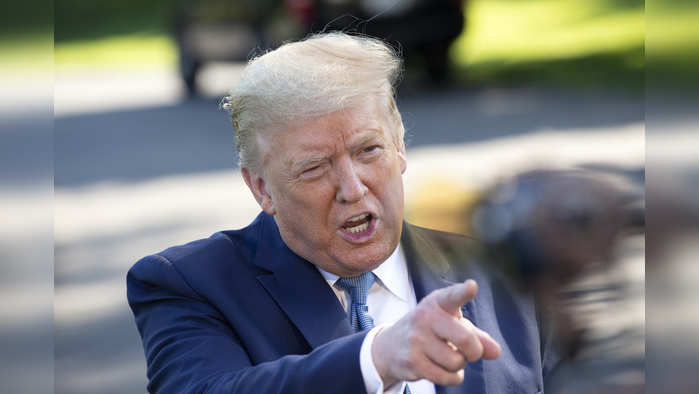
x,y
368,260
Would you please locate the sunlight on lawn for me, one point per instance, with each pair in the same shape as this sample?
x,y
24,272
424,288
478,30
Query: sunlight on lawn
x,y
23,54
128,51
519,31
674,31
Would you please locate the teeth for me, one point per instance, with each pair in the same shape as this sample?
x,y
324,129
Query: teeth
x,y
358,229
358,217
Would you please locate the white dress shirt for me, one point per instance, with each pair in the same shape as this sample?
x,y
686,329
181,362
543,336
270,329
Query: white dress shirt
x,y
390,297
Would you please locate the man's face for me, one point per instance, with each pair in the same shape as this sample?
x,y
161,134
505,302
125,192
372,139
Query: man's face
x,y
334,186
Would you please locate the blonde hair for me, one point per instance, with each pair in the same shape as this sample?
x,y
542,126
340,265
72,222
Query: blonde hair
x,y
319,75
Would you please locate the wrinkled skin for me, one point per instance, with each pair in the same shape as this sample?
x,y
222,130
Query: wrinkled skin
x,y
319,173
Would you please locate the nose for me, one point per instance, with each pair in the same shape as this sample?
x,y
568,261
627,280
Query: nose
x,y
350,187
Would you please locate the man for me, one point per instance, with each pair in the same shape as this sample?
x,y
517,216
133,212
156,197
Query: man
x,y
328,290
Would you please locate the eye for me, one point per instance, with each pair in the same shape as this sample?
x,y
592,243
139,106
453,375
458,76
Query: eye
x,y
312,172
371,149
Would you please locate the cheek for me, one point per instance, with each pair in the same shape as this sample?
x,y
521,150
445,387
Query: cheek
x,y
389,187
309,201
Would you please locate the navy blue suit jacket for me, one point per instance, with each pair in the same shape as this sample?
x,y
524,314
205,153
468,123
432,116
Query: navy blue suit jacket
x,y
239,312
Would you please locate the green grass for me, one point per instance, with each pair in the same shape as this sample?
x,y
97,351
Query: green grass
x,y
672,46
584,43
26,53
77,20
543,29
674,31
123,51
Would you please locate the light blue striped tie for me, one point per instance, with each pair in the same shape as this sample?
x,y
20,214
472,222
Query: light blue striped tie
x,y
358,287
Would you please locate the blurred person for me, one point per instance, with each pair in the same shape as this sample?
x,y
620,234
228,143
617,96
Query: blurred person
x,y
573,238
672,247
328,289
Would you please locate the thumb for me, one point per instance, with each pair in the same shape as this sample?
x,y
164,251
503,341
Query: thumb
x,y
451,298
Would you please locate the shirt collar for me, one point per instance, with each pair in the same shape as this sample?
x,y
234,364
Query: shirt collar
x,y
392,273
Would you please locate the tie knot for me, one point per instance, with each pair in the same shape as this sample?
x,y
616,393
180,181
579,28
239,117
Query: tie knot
x,y
357,286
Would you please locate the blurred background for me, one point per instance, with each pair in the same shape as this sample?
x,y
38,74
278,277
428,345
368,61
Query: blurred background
x,y
120,150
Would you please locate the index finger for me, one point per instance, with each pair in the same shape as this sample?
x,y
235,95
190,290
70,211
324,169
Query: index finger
x,y
451,298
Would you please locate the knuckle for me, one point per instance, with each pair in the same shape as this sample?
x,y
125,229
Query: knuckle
x,y
449,379
467,323
435,377
475,352
456,378
438,379
455,362
464,339
414,360
414,341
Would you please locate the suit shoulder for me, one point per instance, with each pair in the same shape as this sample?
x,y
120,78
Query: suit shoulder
x,y
196,269
442,239
169,263
202,254
219,243
199,250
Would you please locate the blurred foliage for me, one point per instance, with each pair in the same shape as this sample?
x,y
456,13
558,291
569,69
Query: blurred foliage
x,y
110,33
582,43
25,18
593,43
88,20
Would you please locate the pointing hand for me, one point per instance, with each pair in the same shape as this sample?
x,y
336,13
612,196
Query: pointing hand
x,y
434,341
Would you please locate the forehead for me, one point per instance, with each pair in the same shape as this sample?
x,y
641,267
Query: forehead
x,y
325,135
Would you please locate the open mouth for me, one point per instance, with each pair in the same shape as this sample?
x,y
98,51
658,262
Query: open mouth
x,y
358,227
358,223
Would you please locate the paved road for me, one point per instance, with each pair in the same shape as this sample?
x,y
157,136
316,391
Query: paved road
x,y
134,180
195,136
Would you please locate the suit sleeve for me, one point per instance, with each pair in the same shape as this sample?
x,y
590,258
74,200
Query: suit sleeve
x,y
190,348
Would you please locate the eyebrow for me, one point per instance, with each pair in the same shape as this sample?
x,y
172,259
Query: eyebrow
x,y
366,137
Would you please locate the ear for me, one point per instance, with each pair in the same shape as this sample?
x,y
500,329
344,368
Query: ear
x,y
402,157
258,187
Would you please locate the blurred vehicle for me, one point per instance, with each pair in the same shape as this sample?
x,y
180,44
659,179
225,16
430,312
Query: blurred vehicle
x,y
220,30
422,30
225,30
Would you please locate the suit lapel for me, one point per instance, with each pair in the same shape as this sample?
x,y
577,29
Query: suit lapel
x,y
429,268
299,289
